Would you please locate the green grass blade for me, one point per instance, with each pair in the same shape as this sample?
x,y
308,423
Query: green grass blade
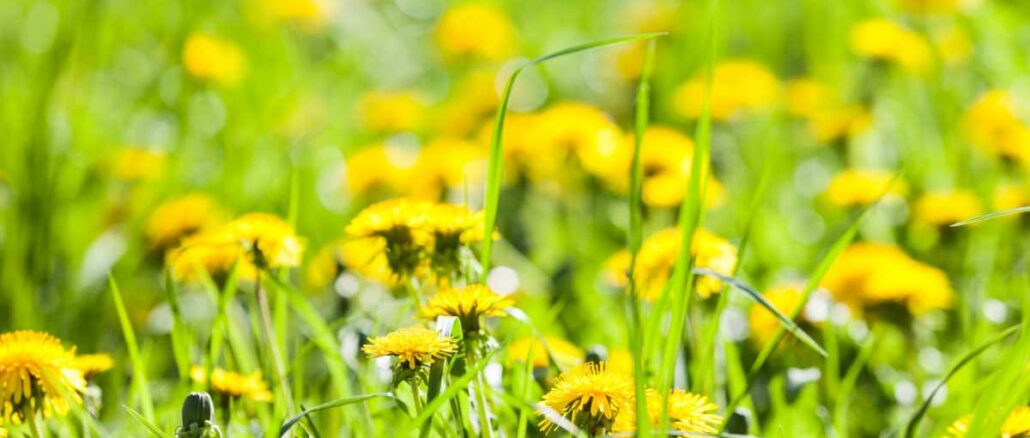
x,y
913,424
495,164
786,322
139,369
680,286
993,215
452,390
445,326
151,427
180,333
292,421
635,237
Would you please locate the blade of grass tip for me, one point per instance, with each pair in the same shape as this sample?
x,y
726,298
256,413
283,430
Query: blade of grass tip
x,y
786,322
453,389
180,334
821,268
708,350
139,370
153,429
495,162
292,421
636,236
912,427
689,218
993,215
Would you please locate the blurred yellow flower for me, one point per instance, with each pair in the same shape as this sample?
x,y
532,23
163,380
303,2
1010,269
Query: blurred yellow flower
x,y
180,217
868,275
364,257
858,187
565,354
993,124
585,131
93,364
666,157
447,163
213,252
739,86
269,241
1016,425
474,29
954,45
590,395
250,386
688,412
208,58
946,207
392,111
805,97
657,258
378,169
929,6
37,376
135,164
762,322
470,304
471,103
1010,195
414,347
643,17
885,40
400,225
837,123
310,14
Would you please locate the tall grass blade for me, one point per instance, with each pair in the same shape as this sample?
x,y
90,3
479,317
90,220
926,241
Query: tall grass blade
x,y
292,421
456,386
913,423
495,163
139,369
151,427
180,333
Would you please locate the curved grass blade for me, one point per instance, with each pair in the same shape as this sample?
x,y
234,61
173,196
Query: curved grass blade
x,y
913,424
151,427
455,387
292,421
993,215
495,163
786,322
551,414
139,370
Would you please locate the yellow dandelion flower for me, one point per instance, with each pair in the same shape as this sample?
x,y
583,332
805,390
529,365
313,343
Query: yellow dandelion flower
x,y
470,304
378,169
868,275
1010,195
37,376
657,258
946,207
738,86
929,6
414,347
589,395
447,164
250,386
136,164
585,131
994,125
213,252
474,29
399,223
840,122
884,40
805,96
180,217
93,364
208,58
858,187
1016,425
688,412
269,241
471,103
565,354
392,111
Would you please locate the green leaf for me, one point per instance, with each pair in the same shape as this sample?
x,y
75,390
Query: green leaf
x,y
452,390
496,160
289,423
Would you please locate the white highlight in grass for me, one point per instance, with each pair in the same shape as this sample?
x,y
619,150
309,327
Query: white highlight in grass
x,y
995,311
905,393
931,359
503,280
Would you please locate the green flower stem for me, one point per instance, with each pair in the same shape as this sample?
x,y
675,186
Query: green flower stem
x,y
273,343
479,387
